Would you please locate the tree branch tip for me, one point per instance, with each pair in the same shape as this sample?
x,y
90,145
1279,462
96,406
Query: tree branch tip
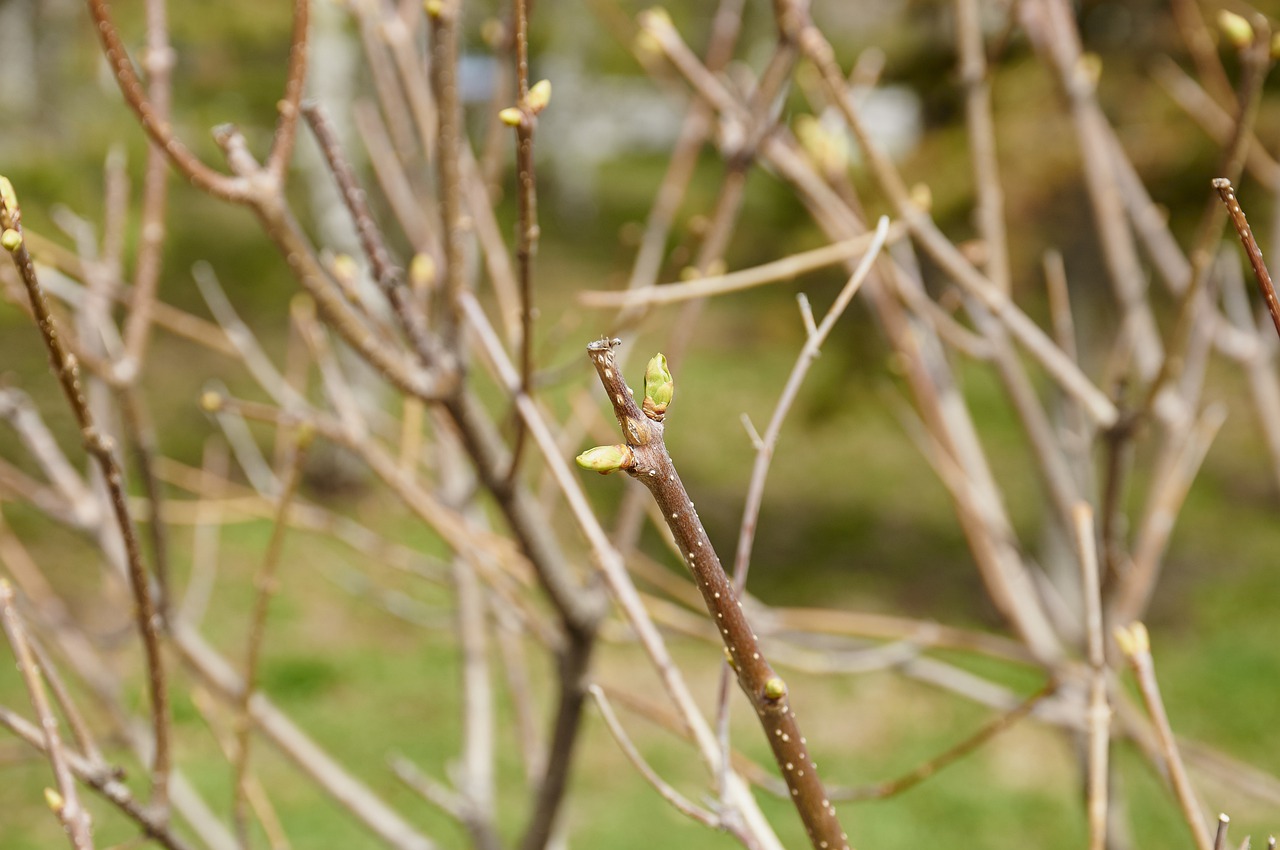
x,y
602,344
211,401
655,17
1133,640
1236,28
539,96
1223,184
922,197
422,272
434,9
659,387
54,801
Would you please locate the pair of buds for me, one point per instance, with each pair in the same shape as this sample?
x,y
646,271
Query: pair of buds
x,y
659,387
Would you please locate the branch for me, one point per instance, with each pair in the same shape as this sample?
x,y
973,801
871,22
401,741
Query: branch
x,y
102,448
64,802
644,457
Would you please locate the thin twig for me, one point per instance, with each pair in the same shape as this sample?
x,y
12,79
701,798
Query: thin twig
x,y
644,457
527,232
1136,645
1251,249
101,447
265,583
155,123
287,124
670,794
1099,713
65,803
769,440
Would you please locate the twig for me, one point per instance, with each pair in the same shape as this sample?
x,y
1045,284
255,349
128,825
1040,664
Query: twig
x,y
769,440
671,795
1099,713
106,782
154,122
1136,645
524,116
65,802
102,449
909,780
158,62
310,758
1251,249
786,269
644,457
386,273
265,583
445,27
287,124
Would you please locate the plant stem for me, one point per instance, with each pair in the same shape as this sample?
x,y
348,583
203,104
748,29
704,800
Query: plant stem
x,y
652,466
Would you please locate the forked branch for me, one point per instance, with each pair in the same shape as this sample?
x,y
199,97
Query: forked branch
x,y
644,456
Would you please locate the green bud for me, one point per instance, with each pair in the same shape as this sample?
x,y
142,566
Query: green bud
x,y
775,689
11,240
1237,29
659,387
606,459
539,96
210,401
9,199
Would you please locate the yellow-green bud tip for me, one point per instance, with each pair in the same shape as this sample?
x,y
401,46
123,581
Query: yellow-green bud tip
x,y
1133,640
11,240
775,689
306,435
422,271
659,387
511,116
655,17
344,266
54,800
211,401
7,195
606,459
1236,28
433,8
539,96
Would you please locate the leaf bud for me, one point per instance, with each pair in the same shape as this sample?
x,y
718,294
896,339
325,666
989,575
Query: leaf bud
x,y
659,387
606,459
1236,28
539,96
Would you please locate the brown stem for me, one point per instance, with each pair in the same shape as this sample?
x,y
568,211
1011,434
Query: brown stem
x,y
527,231
444,16
106,782
1228,194
158,62
386,272
67,807
155,123
287,124
102,448
652,466
265,583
